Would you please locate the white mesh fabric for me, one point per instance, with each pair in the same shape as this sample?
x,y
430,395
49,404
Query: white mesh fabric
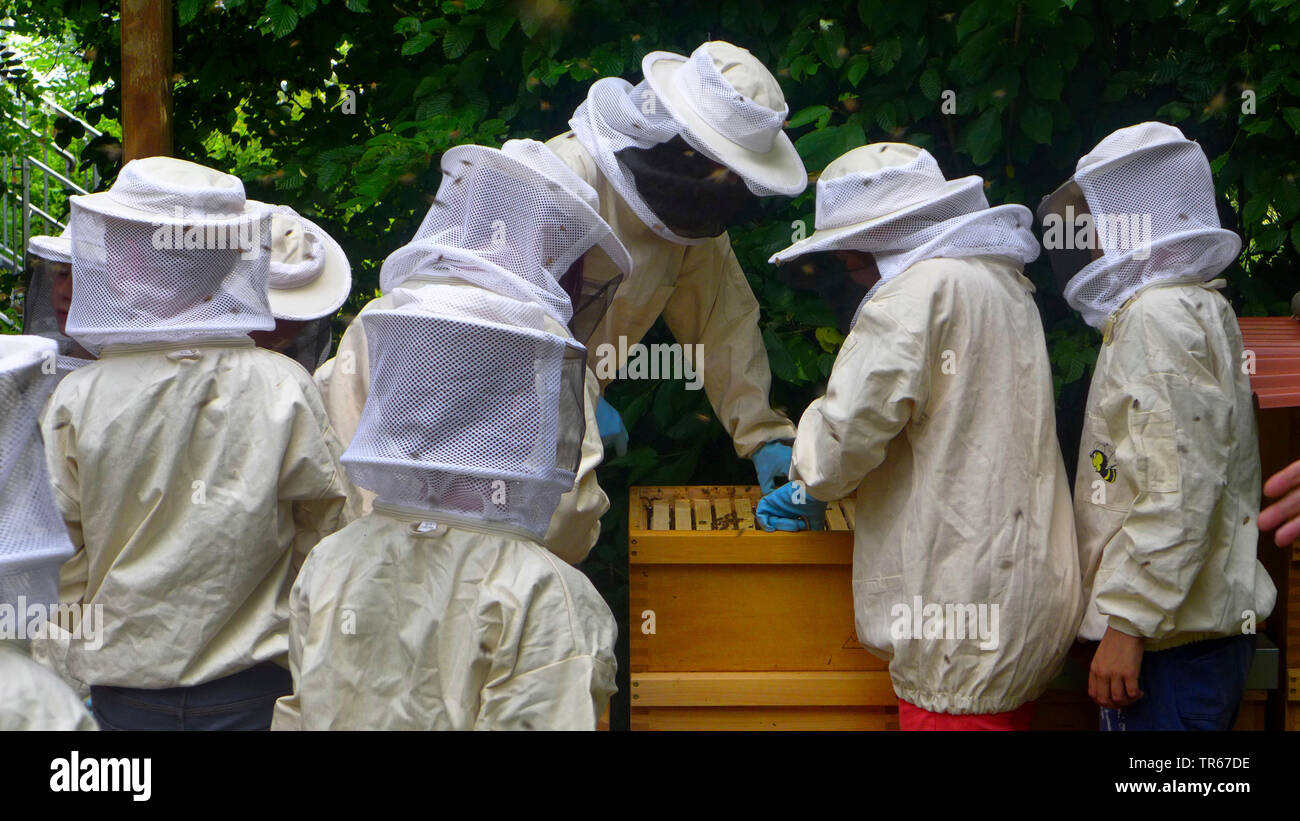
x,y
845,200
740,119
470,408
128,291
504,226
33,538
1140,179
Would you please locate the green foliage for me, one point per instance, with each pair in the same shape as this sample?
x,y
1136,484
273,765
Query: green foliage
x,y
1012,91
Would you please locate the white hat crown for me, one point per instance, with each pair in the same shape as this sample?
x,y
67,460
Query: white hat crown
x,y
877,180
733,92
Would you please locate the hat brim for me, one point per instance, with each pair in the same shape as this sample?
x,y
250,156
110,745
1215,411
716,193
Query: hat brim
x,y
323,295
104,204
826,239
53,249
780,170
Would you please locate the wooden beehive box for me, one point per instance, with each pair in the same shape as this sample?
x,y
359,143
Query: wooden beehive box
x,y
733,628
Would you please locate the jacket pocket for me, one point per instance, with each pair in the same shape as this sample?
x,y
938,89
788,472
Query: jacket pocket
x,y
1156,443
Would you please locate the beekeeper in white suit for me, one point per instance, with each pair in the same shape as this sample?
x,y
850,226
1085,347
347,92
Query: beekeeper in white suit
x,y
939,413
49,295
1168,485
517,222
441,609
673,160
194,470
309,280
33,543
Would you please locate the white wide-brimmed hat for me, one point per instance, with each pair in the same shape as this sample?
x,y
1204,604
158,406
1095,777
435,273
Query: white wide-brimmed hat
x,y
54,249
731,108
310,276
168,191
872,187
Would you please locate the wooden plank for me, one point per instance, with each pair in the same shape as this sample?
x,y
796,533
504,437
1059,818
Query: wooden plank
x,y
744,514
850,508
681,515
739,617
659,518
835,517
764,689
703,515
764,718
743,547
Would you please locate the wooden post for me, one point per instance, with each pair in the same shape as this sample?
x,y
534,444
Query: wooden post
x,y
146,78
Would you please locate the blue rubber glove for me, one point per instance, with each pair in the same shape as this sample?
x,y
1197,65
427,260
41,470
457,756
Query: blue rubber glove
x,y
770,461
780,510
610,424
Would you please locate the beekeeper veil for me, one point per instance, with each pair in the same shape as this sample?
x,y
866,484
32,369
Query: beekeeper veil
x,y
471,410
519,222
891,200
1138,210
49,272
310,279
172,253
721,102
33,539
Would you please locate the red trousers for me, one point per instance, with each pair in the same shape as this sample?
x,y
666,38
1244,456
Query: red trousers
x,y
911,717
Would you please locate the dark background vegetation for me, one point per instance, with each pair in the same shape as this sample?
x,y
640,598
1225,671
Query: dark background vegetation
x,y
259,88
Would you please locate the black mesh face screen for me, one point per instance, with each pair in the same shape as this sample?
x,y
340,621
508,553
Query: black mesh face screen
x,y
694,196
828,274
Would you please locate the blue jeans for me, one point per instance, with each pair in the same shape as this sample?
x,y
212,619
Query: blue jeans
x,y
1195,686
242,701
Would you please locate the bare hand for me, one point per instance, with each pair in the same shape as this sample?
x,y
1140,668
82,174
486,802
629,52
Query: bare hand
x,y
1113,679
1286,511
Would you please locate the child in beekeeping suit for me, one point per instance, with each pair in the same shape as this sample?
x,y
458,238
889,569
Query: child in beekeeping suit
x,y
538,252
194,471
441,609
939,413
49,295
33,543
1168,486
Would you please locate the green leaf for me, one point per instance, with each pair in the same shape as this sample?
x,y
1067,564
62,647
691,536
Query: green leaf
x,y
406,25
808,115
1253,214
1036,122
187,10
778,357
1292,117
830,339
456,41
972,17
1173,112
983,136
359,6
931,85
417,44
1046,79
284,19
497,28
858,68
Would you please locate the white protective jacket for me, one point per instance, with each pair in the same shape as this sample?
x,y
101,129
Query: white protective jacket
x,y
33,698
344,382
1168,487
939,413
458,627
703,296
193,479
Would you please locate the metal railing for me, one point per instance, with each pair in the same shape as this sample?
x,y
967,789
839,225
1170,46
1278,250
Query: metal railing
x,y
26,199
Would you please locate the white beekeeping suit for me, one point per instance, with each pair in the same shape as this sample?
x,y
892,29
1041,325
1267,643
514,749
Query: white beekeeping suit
x,y
194,471
939,414
1168,484
516,222
641,147
49,287
33,543
441,609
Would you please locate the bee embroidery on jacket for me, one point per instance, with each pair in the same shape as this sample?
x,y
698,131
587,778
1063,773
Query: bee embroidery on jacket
x,y
1102,464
